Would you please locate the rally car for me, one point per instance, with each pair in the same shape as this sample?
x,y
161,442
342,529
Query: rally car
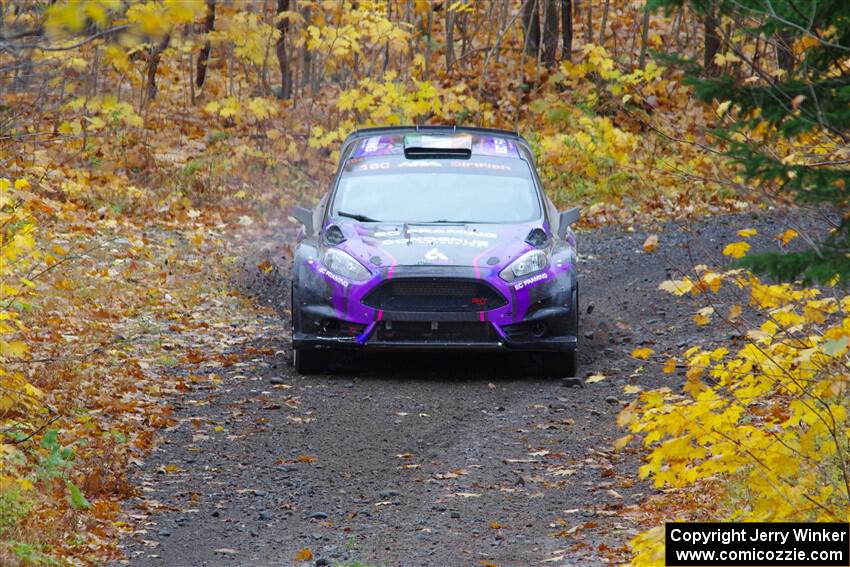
x,y
435,238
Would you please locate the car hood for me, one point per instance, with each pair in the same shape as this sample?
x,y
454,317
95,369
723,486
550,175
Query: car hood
x,y
378,245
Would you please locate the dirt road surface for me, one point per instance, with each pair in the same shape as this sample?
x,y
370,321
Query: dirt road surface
x,y
423,460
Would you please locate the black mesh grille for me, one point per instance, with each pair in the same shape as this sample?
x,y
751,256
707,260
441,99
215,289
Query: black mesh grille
x,y
434,295
444,331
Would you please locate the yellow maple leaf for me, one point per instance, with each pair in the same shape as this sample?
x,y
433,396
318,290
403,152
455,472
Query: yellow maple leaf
x,y
642,353
747,232
736,249
734,312
703,316
787,236
677,287
304,555
669,366
651,243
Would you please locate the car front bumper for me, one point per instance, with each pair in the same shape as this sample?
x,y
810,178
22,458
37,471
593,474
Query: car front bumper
x,y
534,318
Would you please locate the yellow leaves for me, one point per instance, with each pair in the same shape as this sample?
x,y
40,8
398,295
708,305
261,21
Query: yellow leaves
x,y
747,232
703,316
64,17
651,243
156,19
786,237
594,378
118,58
677,287
772,404
724,58
304,555
248,33
736,249
734,312
669,366
642,353
72,127
620,443
17,396
259,108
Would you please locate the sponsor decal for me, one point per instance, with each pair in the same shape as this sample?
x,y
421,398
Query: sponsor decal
x,y
497,147
481,165
374,146
332,276
437,240
373,166
422,163
434,255
531,281
436,231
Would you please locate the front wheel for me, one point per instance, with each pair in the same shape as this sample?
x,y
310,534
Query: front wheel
x,y
309,360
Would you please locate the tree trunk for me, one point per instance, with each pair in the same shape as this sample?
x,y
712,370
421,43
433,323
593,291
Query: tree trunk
x,y
281,51
450,40
153,64
429,30
203,57
550,32
531,26
784,52
567,30
644,37
712,40
604,23
588,24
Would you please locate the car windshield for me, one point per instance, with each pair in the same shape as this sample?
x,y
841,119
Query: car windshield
x,y
479,190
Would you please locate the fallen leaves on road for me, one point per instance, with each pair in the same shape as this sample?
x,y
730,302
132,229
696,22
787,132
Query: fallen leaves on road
x,y
642,353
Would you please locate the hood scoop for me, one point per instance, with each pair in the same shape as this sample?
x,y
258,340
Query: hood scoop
x,y
334,235
537,238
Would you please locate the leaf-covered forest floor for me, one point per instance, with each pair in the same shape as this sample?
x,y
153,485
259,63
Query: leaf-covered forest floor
x,y
412,460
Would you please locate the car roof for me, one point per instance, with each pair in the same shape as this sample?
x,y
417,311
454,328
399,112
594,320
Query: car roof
x,y
387,141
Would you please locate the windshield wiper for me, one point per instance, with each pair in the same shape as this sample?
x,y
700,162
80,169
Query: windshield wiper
x,y
445,221
357,217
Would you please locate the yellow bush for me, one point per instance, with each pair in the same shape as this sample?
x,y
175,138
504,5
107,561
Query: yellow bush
x,y
765,423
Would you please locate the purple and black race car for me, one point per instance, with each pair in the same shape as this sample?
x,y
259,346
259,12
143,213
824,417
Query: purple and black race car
x,y
435,237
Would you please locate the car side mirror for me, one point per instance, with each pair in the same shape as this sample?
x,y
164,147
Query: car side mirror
x,y
567,218
304,215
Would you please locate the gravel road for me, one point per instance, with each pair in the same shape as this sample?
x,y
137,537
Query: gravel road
x,y
423,460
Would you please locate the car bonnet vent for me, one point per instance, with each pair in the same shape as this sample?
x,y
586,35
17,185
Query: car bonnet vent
x,y
537,238
334,235
421,146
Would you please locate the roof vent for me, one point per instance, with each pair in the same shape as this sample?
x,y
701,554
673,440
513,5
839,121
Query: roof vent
x,y
422,146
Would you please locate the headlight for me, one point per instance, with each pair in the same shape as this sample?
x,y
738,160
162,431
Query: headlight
x,y
528,263
344,265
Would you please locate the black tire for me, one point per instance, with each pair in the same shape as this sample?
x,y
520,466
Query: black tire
x,y
309,360
565,364
560,364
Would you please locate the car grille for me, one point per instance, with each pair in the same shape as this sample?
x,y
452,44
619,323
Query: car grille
x,y
401,331
434,295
